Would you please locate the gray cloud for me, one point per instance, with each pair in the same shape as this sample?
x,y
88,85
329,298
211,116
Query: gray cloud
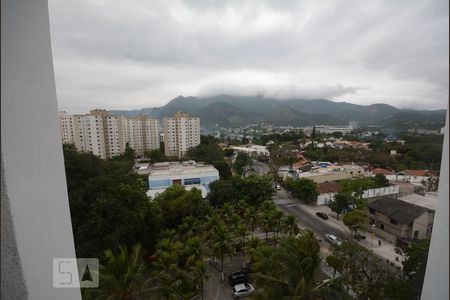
x,y
131,54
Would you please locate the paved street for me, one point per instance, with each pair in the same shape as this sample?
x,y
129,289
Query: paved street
x,y
308,219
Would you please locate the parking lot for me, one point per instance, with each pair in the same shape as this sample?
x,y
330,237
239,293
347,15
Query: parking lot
x,y
214,287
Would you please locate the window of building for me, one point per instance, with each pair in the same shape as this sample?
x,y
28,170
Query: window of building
x,y
382,226
392,221
190,181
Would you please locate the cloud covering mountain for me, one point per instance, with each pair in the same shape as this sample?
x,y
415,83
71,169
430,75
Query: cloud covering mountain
x,y
125,54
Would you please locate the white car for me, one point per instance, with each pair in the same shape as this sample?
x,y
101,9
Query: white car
x,y
333,239
278,187
242,290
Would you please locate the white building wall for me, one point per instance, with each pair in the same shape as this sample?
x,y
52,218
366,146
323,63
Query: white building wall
x,y
33,163
436,280
323,199
384,191
66,127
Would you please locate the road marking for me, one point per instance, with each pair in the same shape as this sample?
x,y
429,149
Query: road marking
x,y
285,202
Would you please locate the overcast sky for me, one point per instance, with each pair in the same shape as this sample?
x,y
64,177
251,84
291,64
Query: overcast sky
x,y
134,54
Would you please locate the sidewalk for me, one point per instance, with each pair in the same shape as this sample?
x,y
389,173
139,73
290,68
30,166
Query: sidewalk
x,y
385,251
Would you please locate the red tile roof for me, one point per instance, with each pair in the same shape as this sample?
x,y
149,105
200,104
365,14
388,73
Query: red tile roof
x,y
421,173
328,187
382,171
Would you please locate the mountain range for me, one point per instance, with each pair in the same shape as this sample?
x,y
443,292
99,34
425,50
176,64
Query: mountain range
x,y
234,111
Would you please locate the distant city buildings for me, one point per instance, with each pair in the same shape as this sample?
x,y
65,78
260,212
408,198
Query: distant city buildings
x,y
106,135
329,129
188,174
181,133
252,149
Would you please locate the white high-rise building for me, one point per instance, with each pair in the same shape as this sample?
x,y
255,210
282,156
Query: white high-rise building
x,y
89,134
107,135
66,126
115,135
142,134
180,134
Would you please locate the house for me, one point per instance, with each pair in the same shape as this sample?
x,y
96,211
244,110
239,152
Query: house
x,y
390,175
396,219
188,174
301,163
427,199
326,191
417,176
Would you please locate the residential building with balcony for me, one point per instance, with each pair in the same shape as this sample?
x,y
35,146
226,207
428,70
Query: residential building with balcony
x,y
180,134
107,135
66,127
142,134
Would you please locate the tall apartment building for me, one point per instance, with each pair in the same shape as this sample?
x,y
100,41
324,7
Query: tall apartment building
x,y
66,126
107,135
180,134
89,133
142,134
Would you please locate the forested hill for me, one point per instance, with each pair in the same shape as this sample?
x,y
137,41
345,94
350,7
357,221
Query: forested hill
x,y
233,111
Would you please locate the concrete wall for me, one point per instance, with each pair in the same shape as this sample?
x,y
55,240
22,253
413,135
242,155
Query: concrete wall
x,y
384,191
421,225
323,199
31,149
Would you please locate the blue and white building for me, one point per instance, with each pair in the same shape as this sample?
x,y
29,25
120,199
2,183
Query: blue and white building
x,y
188,174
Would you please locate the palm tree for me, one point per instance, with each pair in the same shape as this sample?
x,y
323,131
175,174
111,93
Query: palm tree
x,y
242,232
289,225
199,271
221,243
252,215
193,251
287,272
168,275
124,276
277,217
267,217
189,226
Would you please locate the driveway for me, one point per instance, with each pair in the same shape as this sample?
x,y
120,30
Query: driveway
x,y
214,287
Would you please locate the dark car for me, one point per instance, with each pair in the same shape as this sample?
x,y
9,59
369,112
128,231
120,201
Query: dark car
x,y
322,215
237,278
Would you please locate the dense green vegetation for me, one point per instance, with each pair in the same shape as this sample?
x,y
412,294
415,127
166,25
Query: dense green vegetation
x,y
108,204
304,189
254,190
160,248
418,152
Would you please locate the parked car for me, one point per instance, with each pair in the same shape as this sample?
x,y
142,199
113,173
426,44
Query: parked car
x,y
278,187
237,278
242,290
322,215
333,239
